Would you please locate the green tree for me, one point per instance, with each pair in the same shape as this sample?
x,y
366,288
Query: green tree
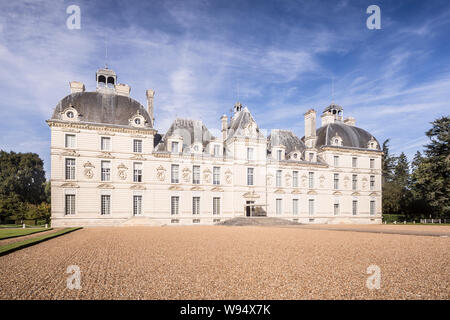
x,y
432,172
22,174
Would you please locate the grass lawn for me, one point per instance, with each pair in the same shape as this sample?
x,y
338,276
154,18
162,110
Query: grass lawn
x,y
17,232
7,248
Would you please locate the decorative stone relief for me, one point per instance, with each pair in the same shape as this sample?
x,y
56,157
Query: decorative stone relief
x,y
122,171
269,179
88,172
321,181
304,177
107,155
207,175
228,175
70,153
364,183
288,180
161,173
346,181
186,175
138,157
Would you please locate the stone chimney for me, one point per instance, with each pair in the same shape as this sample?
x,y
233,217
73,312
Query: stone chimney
x,y
76,86
350,121
150,95
310,128
224,120
123,89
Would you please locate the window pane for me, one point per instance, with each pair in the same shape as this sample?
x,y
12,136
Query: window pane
x,y
69,204
174,173
311,180
295,179
295,206
137,172
278,178
106,171
70,169
216,205
250,176
70,141
105,204
106,143
137,146
311,207
278,203
174,205
355,207
137,205
216,175
196,175
196,205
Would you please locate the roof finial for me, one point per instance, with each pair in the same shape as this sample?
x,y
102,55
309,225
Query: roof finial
x,y
106,51
332,89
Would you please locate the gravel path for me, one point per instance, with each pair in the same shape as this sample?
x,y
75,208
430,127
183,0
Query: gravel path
x,y
221,262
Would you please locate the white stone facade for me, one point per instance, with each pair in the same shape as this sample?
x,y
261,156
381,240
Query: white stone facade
x,y
137,179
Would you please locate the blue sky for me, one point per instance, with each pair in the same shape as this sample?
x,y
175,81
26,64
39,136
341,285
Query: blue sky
x,y
280,56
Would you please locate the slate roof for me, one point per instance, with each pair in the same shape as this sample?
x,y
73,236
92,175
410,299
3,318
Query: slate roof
x,y
97,107
190,130
239,122
353,137
286,138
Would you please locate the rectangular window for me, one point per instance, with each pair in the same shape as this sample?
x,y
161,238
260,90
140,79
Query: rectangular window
x,y
196,175
278,176
249,176
354,182
70,141
174,147
372,163
105,144
137,205
70,169
216,175
278,201
249,153
294,206
295,179
69,208
106,204
372,207
372,183
355,207
216,150
336,208
174,173
137,146
354,162
106,171
311,207
279,154
174,205
336,161
311,179
196,205
336,181
216,205
137,172
311,156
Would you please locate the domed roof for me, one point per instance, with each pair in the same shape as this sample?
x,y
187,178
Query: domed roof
x,y
106,108
351,136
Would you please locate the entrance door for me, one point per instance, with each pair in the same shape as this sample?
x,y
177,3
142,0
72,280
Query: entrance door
x,y
249,208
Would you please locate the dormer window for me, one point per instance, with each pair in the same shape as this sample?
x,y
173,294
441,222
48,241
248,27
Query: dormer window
x,y
70,114
279,154
372,144
336,140
137,121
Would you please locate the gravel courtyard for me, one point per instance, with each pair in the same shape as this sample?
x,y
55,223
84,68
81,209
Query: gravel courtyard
x,y
221,262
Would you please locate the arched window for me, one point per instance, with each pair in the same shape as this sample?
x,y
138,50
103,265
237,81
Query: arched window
x,y
101,81
110,82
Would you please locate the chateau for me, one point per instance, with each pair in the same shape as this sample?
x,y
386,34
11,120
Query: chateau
x,y
110,166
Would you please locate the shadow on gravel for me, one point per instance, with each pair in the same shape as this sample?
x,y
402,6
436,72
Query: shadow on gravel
x,y
257,221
